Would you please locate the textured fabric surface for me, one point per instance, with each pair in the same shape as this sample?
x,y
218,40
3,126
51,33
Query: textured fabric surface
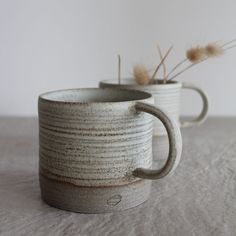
x,y
199,198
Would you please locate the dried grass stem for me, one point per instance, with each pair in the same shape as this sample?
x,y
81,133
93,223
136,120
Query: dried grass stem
x,y
188,67
119,68
163,64
159,65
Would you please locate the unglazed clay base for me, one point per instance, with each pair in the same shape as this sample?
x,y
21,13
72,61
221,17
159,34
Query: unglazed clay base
x,y
93,199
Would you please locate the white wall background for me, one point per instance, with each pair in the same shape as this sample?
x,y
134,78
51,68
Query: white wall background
x,y
54,44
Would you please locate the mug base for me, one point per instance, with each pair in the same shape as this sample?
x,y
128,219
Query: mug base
x,y
80,199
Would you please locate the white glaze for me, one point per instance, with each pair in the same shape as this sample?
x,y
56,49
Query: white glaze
x,y
167,97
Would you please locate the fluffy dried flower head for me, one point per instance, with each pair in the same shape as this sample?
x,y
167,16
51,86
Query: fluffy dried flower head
x,y
196,54
141,75
213,50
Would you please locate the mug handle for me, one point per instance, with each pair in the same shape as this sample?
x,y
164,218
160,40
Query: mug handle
x,y
175,143
203,115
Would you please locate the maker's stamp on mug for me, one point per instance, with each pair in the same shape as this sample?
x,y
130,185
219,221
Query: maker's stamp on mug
x,y
114,200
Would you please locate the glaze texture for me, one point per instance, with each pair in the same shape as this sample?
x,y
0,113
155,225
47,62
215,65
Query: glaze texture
x,y
93,144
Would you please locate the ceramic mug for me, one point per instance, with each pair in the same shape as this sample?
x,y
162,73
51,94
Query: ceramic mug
x,y
95,151
167,97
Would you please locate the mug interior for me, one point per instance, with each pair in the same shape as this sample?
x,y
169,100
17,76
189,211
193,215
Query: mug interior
x,y
128,81
94,95
132,83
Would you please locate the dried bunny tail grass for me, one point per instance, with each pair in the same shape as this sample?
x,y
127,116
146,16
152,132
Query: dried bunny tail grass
x,y
141,75
196,54
213,50
119,68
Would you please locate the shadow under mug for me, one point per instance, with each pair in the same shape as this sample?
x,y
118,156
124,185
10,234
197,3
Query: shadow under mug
x,y
95,150
167,97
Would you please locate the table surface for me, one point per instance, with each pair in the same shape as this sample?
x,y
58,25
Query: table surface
x,y
198,199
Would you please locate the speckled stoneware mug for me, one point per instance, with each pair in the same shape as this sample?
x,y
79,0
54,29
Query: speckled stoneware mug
x,y
95,150
167,97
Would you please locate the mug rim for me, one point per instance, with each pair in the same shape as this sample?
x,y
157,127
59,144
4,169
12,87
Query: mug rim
x,y
114,83
145,95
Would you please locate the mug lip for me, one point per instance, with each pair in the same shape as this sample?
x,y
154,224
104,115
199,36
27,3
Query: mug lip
x,y
145,95
114,83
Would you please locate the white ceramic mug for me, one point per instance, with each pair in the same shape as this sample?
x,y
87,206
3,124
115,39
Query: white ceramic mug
x,y
167,97
95,150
